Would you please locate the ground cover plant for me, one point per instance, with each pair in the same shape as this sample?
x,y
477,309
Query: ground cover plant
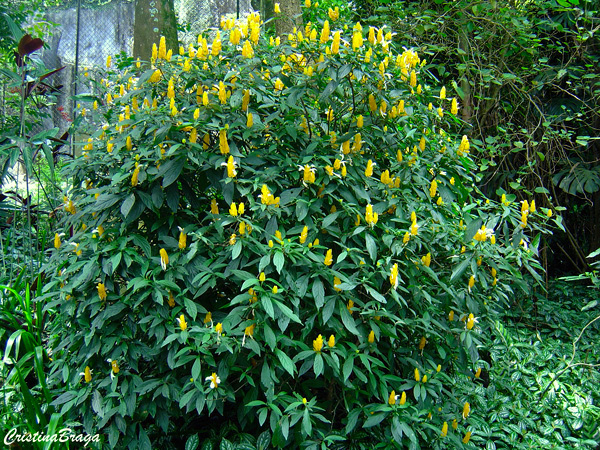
x,y
281,237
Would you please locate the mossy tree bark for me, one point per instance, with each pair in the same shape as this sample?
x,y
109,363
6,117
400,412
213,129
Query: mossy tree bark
x,y
290,17
153,19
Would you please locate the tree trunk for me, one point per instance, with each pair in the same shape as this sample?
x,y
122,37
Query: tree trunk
x,y
153,19
290,17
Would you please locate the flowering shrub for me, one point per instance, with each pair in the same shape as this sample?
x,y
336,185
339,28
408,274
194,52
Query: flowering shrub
x,y
283,236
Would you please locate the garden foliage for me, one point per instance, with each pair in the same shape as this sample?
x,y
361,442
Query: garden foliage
x,y
280,235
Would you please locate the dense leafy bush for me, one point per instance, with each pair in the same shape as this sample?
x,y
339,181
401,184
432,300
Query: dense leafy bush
x,y
525,73
282,237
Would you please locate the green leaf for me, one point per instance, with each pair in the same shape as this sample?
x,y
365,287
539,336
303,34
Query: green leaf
x,y
472,228
171,170
376,295
374,419
318,364
192,442
371,247
278,260
318,292
263,441
127,205
352,420
347,368
460,269
287,311
286,362
347,320
225,445
236,250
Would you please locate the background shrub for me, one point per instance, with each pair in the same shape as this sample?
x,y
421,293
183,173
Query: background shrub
x,y
283,237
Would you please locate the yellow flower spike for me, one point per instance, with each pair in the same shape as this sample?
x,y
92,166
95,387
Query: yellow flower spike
x,y
279,86
471,282
182,323
454,107
232,239
470,322
433,188
171,300
549,213
114,366
369,169
467,438
335,45
371,337
128,143
478,372
56,241
451,316
455,424
417,375
108,61
249,330
214,208
182,239
336,283
414,229
439,367
425,381
357,40
307,3
331,341
444,429
406,238
349,306
318,344
275,289
525,207
328,258
324,37
463,249
304,234
394,275
466,410
413,79
231,166
101,291
392,398
219,328
162,48
262,277
87,374
532,206
463,147
403,398
422,343
164,258
277,9
524,219
372,103
233,210
443,93
208,317
334,14
223,144
194,136
270,243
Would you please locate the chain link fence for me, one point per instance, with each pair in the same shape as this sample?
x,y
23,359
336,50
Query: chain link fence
x,y
85,32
